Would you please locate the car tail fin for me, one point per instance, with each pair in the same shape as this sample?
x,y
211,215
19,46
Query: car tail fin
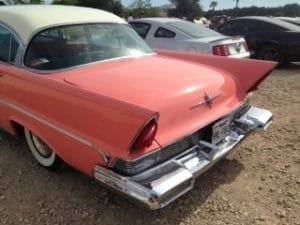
x,y
145,136
247,72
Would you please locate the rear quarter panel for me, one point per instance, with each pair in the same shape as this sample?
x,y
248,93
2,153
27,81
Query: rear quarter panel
x,y
77,124
287,41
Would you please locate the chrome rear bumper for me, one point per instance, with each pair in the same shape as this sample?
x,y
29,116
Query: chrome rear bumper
x,y
162,184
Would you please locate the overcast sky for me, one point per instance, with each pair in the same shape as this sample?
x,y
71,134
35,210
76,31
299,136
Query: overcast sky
x,y
228,3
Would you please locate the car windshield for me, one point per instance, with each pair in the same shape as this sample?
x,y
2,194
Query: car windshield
x,y
68,46
193,30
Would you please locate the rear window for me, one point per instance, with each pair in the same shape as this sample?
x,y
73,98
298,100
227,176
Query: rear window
x,y
192,29
68,46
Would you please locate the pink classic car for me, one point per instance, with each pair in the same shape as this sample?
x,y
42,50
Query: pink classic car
x,y
83,88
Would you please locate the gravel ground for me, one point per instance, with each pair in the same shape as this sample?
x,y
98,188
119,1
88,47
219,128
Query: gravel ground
x,y
258,184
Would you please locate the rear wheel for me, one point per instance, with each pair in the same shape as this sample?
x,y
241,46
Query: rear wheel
x,y
271,52
43,154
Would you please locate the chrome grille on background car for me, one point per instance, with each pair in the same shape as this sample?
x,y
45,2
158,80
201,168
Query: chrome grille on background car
x,y
136,166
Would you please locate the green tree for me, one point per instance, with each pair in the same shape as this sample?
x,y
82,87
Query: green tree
x,y
189,9
292,10
213,5
29,2
65,2
141,4
141,12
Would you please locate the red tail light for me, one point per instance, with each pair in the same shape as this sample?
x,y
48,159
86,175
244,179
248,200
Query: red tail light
x,y
221,50
146,137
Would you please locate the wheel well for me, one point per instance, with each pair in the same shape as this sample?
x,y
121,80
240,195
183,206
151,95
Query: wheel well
x,y
18,129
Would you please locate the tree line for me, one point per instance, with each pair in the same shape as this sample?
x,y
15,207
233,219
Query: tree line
x,y
289,10
188,9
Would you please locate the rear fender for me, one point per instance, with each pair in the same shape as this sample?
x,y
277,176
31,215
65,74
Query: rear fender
x,y
269,42
247,72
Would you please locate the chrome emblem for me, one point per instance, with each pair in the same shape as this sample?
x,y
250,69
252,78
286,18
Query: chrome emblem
x,y
208,99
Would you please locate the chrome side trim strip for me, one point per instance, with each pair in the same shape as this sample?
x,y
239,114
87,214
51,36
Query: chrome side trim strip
x,y
105,156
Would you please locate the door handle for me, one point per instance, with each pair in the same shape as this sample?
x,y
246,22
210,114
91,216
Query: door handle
x,y
1,74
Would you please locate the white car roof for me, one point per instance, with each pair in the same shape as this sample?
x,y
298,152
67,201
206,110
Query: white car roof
x,y
26,20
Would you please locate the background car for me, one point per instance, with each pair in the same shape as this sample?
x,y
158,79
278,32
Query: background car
x,y
180,35
267,38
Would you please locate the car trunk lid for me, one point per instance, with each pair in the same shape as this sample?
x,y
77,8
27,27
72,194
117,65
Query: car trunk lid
x,y
186,95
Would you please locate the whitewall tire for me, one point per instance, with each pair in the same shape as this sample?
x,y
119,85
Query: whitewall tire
x,y
44,155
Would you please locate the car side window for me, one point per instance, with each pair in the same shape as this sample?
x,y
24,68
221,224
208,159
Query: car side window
x,y
250,26
141,28
229,28
240,27
269,27
8,46
164,33
224,27
245,26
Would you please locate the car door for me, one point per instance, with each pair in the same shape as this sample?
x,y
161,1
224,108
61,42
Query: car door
x,y
9,48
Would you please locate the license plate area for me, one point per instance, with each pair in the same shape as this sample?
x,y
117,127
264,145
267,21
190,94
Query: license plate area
x,y
221,130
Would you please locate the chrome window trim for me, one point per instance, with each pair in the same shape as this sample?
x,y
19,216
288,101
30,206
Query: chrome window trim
x,y
105,156
77,66
49,72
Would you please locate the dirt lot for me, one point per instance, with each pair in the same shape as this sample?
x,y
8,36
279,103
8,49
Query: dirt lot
x,y
258,184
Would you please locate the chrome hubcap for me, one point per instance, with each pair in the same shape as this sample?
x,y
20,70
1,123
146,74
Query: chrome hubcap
x,y
41,147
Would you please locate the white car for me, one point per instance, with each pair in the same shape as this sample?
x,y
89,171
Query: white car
x,y
180,35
